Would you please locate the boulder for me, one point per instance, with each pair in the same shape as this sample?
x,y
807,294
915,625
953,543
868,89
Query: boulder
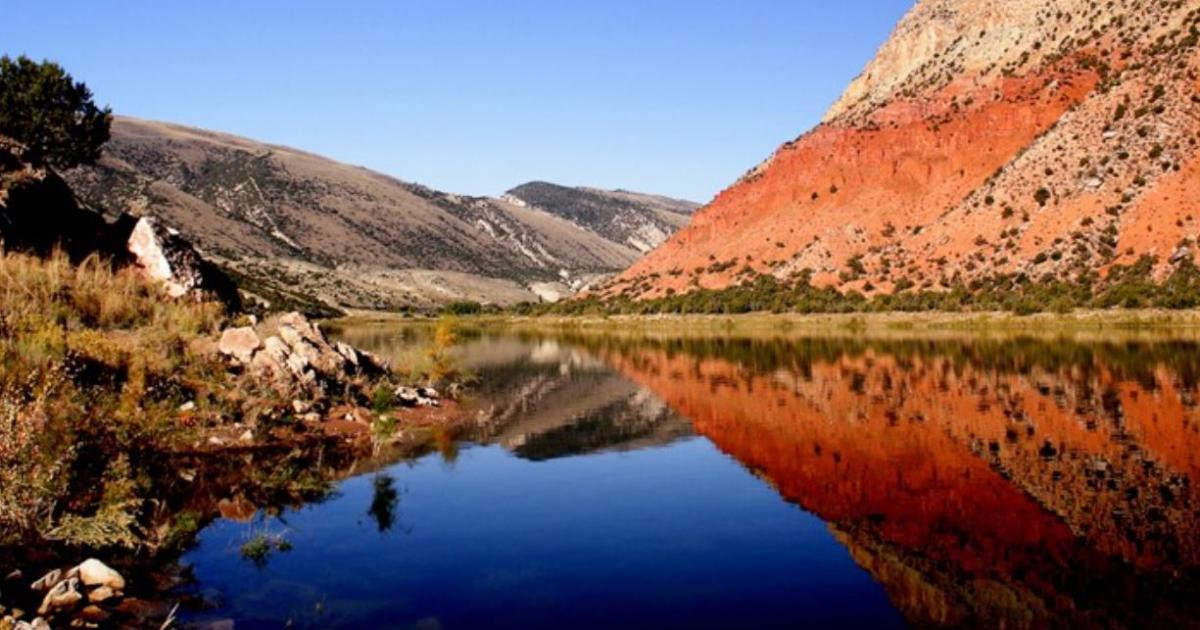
x,y
372,365
277,348
305,339
270,362
348,352
101,595
407,396
64,595
298,364
239,343
417,396
92,572
47,582
164,256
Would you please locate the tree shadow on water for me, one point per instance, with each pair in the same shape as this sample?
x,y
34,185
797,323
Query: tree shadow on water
x,y
385,500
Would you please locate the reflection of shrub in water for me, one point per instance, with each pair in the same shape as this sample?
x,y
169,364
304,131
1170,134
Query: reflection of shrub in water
x,y
384,501
1134,360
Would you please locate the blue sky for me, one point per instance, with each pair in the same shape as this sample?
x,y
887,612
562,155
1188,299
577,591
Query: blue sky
x,y
678,98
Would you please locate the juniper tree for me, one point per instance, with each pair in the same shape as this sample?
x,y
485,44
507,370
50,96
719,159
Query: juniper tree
x,y
49,112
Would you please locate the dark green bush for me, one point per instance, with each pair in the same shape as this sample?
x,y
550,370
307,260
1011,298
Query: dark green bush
x,y
42,107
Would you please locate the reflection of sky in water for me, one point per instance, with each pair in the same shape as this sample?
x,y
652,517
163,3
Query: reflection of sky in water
x,y
979,481
674,536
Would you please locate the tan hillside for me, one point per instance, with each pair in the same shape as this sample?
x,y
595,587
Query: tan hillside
x,y
1011,137
301,224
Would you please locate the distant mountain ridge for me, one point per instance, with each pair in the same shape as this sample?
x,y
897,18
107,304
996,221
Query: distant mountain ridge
x,y
295,225
638,220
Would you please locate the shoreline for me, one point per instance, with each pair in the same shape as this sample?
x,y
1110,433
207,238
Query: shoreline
x,y
1100,324
313,460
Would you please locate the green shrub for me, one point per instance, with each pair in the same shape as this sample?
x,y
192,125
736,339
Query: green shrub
x,y
42,107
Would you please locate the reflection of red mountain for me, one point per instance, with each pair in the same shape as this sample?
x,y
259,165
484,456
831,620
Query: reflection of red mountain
x,y
957,472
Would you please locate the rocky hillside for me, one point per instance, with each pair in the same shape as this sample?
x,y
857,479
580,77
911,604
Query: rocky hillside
x,y
637,220
40,215
1052,140
296,226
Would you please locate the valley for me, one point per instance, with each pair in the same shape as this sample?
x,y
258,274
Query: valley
x,y
305,230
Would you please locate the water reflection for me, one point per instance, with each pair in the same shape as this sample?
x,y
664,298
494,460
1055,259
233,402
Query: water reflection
x,y
384,501
1017,482
980,482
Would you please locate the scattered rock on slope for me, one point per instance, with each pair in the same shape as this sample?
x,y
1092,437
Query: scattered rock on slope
x,y
300,229
638,220
985,138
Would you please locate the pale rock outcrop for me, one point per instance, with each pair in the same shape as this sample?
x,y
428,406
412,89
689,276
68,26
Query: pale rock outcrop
x,y
240,343
94,573
164,256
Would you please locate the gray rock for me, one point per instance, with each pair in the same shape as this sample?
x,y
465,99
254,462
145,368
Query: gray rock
x,y
348,352
297,364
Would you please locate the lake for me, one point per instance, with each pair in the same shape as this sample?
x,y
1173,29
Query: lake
x,y
725,482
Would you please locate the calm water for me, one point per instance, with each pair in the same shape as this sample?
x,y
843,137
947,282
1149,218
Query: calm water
x,y
727,483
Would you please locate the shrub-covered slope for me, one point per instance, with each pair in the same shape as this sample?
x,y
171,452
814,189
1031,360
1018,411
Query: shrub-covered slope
x,y
1018,139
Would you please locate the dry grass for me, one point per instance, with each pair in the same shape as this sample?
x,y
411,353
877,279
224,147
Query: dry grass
x,y
93,367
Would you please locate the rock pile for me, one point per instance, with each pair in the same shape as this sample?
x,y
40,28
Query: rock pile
x,y
291,355
82,596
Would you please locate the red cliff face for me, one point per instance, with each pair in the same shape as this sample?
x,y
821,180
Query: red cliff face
x,y
985,138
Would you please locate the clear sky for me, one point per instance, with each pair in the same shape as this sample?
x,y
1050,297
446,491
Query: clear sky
x,y
475,97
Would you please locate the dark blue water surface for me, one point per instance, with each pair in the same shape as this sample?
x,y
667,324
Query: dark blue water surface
x,y
678,536
720,482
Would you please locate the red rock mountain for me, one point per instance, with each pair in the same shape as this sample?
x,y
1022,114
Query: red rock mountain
x,y
986,137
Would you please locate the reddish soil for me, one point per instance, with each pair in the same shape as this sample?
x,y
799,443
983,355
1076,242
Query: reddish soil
x,y
936,175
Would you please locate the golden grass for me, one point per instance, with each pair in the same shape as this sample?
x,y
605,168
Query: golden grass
x,y
91,361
